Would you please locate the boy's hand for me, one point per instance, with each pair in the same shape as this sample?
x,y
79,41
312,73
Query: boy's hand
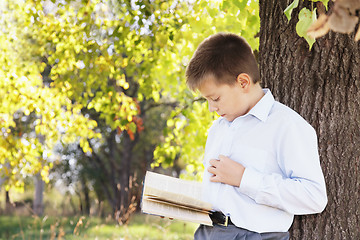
x,y
226,171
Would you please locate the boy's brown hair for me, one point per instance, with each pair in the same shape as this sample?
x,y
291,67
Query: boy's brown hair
x,y
223,55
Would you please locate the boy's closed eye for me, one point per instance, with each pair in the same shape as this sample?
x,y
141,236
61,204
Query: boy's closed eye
x,y
216,99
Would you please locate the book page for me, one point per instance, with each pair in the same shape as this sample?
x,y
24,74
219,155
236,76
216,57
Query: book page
x,y
175,190
170,211
152,199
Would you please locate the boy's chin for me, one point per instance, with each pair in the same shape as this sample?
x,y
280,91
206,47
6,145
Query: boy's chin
x,y
229,118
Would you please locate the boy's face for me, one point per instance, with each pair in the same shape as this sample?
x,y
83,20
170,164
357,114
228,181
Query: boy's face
x,y
229,101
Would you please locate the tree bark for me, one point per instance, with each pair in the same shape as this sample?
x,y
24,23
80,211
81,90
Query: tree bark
x,y
85,190
125,194
323,86
38,196
116,166
8,205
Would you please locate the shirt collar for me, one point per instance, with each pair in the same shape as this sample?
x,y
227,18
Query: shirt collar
x,y
262,109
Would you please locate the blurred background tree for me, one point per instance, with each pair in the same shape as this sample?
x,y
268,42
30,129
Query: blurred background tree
x,y
92,88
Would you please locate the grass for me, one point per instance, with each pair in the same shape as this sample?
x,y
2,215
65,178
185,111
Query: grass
x,y
141,226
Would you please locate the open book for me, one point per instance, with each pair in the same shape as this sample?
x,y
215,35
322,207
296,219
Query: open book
x,y
174,198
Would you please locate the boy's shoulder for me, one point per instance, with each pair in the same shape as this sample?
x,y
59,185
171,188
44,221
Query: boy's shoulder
x,y
285,111
287,116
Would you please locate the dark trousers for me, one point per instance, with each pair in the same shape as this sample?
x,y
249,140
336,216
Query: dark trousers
x,y
231,232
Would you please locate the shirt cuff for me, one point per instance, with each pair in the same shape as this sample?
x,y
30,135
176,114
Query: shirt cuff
x,y
250,182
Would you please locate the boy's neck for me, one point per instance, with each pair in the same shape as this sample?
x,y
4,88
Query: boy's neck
x,y
255,94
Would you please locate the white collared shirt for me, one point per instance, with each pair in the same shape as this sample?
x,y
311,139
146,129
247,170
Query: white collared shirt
x,y
282,177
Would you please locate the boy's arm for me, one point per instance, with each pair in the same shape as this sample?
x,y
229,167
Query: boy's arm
x,y
300,190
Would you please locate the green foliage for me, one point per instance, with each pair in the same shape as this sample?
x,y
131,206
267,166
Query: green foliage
x,y
33,116
187,127
306,19
290,8
72,70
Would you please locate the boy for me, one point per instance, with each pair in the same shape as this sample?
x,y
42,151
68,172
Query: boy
x,y
261,158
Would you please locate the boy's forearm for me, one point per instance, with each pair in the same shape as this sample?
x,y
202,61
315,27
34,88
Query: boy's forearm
x,y
294,195
272,189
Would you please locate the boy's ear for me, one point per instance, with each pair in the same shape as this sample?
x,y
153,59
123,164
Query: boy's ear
x,y
244,80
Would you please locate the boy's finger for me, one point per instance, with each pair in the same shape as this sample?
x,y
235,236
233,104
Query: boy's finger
x,y
212,170
215,178
222,157
214,162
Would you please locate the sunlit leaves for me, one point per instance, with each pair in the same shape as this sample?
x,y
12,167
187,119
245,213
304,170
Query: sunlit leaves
x,y
34,117
68,67
306,18
290,8
186,131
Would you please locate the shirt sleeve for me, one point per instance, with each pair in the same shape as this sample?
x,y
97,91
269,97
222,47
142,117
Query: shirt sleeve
x,y
300,189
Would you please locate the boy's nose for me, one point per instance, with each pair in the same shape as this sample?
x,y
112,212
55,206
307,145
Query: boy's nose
x,y
212,108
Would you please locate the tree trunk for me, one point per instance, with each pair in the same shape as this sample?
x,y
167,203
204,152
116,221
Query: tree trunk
x,y
125,193
8,205
116,166
86,198
115,172
81,208
323,86
38,196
